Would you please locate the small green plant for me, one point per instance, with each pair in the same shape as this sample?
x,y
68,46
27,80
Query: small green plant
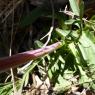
x,y
71,61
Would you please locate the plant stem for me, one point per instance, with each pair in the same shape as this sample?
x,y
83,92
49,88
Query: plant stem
x,y
24,57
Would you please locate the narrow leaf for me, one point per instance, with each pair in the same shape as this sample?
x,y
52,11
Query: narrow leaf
x,y
74,7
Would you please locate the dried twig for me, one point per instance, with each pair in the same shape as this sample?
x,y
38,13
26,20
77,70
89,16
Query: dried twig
x,y
11,10
10,52
52,26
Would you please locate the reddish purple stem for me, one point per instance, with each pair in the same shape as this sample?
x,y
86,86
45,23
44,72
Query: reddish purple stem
x,y
21,58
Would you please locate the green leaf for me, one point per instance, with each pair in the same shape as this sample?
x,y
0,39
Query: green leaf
x,y
26,79
68,74
38,44
89,48
75,52
81,7
62,84
62,33
74,7
27,71
69,22
84,79
6,89
83,51
61,59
